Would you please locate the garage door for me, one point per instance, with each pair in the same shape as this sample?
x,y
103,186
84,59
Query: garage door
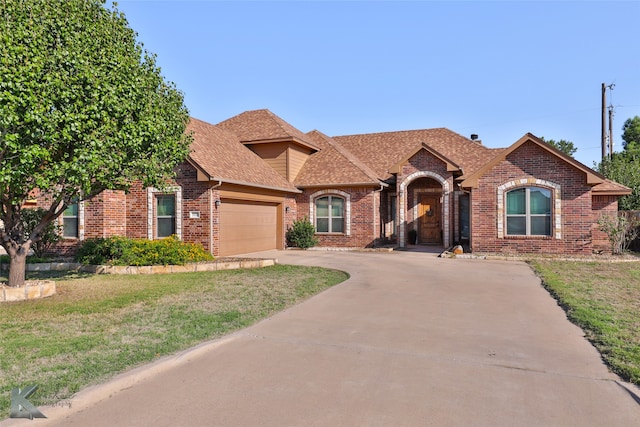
x,y
247,227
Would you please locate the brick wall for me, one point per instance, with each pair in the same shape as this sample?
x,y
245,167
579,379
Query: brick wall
x,y
101,216
105,215
532,162
195,213
195,198
602,205
290,215
364,216
137,212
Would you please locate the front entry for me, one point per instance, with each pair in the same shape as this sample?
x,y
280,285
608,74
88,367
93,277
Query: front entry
x,y
430,219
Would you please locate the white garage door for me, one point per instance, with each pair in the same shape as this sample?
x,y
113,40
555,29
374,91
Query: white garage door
x,y
247,227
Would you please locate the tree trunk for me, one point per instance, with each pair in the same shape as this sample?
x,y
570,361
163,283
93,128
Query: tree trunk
x,y
18,264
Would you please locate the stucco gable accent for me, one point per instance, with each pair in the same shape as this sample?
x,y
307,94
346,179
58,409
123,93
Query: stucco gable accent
x,y
530,182
451,166
331,192
591,177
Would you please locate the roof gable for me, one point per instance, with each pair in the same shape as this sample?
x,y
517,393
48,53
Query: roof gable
x,y
471,180
219,155
451,166
333,165
262,126
384,151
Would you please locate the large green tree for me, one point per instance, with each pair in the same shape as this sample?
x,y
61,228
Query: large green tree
x,y
566,147
625,170
83,108
631,134
624,167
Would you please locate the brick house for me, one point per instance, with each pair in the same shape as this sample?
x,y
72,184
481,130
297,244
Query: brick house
x,y
249,177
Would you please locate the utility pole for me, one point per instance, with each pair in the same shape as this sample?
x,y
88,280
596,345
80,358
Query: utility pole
x,y
603,135
610,131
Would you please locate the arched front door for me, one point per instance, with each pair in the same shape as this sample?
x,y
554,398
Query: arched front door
x,y
429,219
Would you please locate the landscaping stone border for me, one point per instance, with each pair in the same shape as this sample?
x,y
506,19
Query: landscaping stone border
x,y
221,264
33,289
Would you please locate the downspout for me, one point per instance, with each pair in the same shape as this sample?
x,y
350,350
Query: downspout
x,y
378,210
211,213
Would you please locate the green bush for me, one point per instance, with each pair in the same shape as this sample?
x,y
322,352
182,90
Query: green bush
x,y
124,251
51,234
31,259
302,234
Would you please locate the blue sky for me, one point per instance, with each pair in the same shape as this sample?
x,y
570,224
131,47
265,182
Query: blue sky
x,y
498,69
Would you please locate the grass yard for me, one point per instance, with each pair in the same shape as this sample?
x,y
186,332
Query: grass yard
x,y
604,300
100,325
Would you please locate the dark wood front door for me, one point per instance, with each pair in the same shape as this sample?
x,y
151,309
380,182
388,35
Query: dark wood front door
x,y
430,219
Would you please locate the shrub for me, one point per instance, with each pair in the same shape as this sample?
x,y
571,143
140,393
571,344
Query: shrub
x,y
124,251
302,234
621,230
51,234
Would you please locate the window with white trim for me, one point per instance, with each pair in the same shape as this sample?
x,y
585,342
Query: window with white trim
x,y
70,222
528,211
165,215
330,214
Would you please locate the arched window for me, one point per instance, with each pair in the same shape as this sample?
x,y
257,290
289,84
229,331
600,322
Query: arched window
x,y
330,214
529,212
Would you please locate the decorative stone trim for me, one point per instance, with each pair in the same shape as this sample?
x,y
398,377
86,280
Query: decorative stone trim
x,y
31,290
177,190
530,182
330,192
402,203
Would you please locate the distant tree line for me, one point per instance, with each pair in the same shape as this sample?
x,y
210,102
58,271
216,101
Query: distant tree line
x,y
624,167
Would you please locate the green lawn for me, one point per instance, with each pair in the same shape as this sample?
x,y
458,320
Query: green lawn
x,y
604,300
100,325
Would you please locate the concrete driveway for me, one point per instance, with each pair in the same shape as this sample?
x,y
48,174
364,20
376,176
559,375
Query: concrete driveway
x,y
409,340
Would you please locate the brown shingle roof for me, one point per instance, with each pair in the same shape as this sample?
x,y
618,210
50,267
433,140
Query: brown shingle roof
x,y
381,151
611,188
263,126
221,156
333,165
470,180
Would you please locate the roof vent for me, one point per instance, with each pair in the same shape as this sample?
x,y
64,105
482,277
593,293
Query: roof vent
x,y
474,136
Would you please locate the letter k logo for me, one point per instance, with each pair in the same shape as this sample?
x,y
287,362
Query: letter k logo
x,y
21,407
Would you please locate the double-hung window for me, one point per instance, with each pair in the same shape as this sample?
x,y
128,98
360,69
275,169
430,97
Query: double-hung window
x,y
165,215
70,222
529,212
330,214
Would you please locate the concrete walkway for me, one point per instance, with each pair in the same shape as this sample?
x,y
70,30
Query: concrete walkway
x,y
409,340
